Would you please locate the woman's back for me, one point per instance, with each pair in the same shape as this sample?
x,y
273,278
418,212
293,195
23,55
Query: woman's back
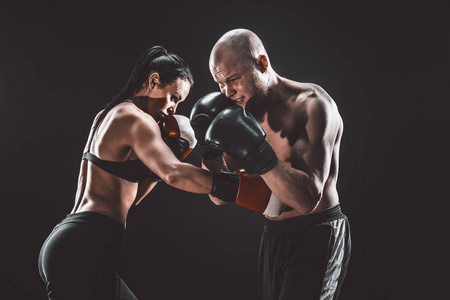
x,y
100,190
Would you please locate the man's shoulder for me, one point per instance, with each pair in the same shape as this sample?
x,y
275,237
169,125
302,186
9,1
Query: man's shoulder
x,y
316,97
305,95
313,100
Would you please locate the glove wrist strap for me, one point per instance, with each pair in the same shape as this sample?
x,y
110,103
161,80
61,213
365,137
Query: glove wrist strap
x,y
225,185
261,161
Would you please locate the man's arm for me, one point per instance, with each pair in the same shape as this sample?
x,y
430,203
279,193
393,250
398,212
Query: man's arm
x,y
301,185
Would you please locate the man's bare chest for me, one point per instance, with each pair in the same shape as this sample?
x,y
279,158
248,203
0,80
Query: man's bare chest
x,y
278,143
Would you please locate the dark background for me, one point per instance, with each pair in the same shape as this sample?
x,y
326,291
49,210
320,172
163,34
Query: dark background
x,y
384,63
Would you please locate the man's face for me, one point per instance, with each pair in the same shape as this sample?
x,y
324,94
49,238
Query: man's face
x,y
237,77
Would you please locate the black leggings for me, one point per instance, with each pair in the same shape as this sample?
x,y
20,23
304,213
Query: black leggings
x,y
304,257
80,259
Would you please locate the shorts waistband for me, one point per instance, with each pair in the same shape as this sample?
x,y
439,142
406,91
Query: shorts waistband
x,y
92,217
301,222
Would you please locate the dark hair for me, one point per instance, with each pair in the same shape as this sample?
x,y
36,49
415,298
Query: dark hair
x,y
169,66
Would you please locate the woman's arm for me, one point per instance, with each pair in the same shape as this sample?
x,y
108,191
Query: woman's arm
x,y
145,140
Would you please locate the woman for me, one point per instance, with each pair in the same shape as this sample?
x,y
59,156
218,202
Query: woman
x,y
80,258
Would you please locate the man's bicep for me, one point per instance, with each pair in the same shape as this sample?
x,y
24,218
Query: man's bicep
x,y
313,153
311,158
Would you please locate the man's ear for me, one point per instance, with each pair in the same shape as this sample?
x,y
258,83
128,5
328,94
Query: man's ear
x,y
153,80
263,63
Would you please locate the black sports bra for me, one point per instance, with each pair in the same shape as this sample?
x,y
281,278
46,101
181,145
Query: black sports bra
x,y
131,170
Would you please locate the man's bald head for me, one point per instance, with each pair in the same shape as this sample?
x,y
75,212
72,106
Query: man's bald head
x,y
242,44
239,64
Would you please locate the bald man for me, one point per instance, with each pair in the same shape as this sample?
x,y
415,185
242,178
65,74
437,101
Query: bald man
x,y
289,133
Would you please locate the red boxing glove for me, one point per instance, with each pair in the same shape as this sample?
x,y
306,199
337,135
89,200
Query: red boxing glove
x,y
178,134
249,191
253,192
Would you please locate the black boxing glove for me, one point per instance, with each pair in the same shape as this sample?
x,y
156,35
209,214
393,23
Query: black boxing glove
x,y
202,114
237,133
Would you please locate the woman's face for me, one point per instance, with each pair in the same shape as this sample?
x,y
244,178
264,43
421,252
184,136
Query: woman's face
x,y
164,100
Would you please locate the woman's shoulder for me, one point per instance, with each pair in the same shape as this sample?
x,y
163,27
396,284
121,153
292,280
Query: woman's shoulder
x,y
126,108
127,113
